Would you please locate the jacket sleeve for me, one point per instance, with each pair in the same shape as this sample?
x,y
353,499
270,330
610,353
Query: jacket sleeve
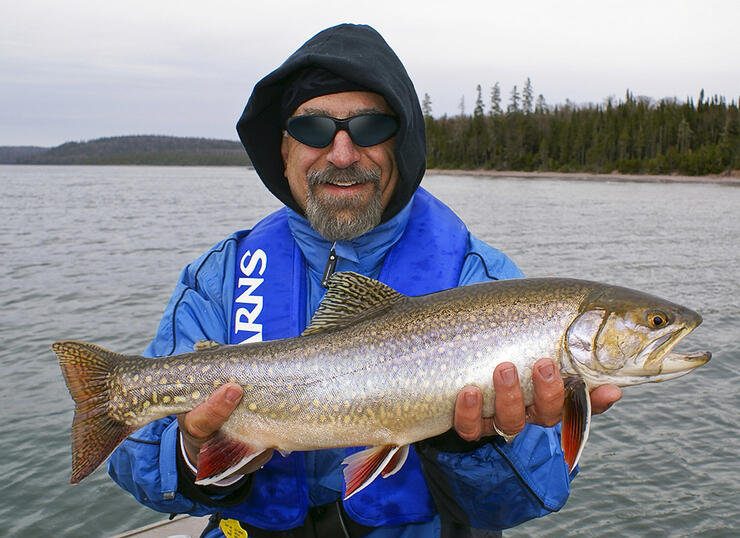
x,y
491,484
146,464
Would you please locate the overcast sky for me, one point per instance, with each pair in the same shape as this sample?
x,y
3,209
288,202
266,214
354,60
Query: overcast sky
x,y
84,69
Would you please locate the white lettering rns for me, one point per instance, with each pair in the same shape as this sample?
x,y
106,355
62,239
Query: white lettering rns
x,y
245,317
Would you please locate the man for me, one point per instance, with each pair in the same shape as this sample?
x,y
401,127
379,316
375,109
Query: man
x,y
337,134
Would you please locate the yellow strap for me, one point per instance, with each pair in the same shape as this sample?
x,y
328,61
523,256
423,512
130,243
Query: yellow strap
x,y
232,529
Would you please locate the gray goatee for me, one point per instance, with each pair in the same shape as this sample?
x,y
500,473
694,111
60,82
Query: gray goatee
x,y
337,219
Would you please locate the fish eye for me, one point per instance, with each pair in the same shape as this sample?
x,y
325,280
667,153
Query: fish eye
x,y
657,320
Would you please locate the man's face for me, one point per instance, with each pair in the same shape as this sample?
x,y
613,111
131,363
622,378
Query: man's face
x,y
343,188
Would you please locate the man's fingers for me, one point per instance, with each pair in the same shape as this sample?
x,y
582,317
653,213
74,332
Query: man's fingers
x,y
207,418
549,394
603,397
468,408
509,402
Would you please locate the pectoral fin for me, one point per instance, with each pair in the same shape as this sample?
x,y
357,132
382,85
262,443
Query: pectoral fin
x,y
363,467
396,462
576,420
221,456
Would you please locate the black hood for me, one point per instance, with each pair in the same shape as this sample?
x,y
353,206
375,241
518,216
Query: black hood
x,y
360,55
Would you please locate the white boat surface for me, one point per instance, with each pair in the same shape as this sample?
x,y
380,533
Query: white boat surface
x,y
182,526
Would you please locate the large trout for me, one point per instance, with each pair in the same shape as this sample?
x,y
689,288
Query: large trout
x,y
383,370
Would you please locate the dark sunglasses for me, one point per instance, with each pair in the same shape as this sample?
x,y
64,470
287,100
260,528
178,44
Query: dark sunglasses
x,y
364,130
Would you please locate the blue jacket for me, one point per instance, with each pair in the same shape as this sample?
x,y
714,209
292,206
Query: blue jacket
x,y
495,485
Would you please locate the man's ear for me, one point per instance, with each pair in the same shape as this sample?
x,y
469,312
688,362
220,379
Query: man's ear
x,y
284,149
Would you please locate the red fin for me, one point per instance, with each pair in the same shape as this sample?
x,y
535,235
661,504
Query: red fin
x,y
396,462
576,420
363,467
221,456
95,433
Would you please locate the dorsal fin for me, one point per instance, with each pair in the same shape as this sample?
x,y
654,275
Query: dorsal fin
x,y
350,299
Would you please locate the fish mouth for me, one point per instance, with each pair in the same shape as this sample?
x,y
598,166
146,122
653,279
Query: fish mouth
x,y
658,361
683,363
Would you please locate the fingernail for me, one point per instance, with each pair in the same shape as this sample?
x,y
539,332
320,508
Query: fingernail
x,y
233,395
471,399
508,376
546,371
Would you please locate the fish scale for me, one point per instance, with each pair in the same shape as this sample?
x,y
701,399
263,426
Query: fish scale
x,y
379,369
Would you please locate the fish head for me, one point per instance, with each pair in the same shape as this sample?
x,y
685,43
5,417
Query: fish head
x,y
625,337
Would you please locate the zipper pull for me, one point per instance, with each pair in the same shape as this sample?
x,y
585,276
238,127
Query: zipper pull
x,y
331,264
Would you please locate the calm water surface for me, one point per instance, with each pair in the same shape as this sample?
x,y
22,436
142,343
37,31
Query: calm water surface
x,y
92,253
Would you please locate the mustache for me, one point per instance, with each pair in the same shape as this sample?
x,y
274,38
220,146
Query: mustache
x,y
351,175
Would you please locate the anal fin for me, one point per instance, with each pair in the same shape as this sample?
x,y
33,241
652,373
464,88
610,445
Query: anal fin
x,y
576,420
221,456
363,467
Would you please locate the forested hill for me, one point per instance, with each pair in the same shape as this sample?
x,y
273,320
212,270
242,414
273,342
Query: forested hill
x,y
12,154
147,150
635,135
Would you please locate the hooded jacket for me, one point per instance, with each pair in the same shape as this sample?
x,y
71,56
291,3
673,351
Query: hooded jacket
x,y
360,55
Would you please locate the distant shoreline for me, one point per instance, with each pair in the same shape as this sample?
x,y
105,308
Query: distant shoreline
x,y
733,179
729,179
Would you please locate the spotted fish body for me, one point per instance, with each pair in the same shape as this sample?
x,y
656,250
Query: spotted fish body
x,y
380,369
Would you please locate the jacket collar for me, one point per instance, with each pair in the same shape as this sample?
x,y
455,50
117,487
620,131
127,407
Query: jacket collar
x,y
362,254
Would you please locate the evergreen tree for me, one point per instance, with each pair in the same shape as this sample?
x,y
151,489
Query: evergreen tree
x,y
514,102
527,97
478,110
426,106
496,100
541,106
684,135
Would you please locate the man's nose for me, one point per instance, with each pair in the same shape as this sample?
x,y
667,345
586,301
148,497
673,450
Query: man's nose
x,y
343,151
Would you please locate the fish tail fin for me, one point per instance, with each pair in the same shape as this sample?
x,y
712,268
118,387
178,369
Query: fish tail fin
x,y
87,370
576,420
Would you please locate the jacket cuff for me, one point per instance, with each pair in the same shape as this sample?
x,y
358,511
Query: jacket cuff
x,y
450,441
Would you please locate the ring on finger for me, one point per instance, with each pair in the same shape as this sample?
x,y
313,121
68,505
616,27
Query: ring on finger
x,y
508,437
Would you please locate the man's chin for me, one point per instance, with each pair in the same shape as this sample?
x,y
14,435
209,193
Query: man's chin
x,y
338,222
344,219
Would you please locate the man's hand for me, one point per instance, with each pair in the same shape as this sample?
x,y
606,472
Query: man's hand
x,y
200,423
510,415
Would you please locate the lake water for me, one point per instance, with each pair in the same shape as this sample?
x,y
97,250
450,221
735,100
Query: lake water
x,y
92,253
